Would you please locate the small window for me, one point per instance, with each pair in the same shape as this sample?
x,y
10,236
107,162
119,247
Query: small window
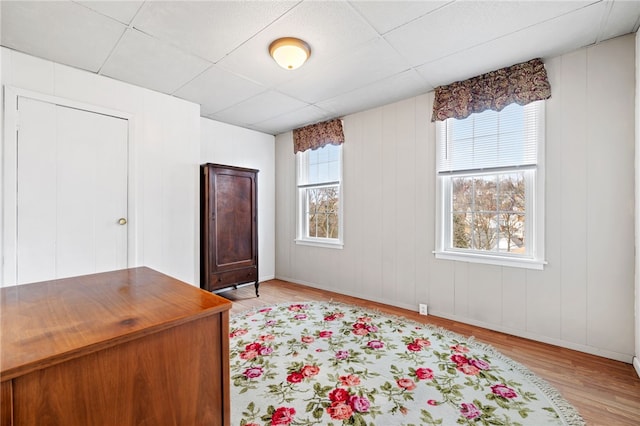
x,y
319,175
490,187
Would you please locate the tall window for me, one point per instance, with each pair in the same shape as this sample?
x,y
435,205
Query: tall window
x,y
491,181
319,178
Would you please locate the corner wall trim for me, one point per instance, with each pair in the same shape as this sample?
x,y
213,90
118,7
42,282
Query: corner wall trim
x,y
636,365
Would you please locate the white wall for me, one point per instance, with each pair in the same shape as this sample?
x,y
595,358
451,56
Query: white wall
x,y
584,297
235,146
636,359
166,153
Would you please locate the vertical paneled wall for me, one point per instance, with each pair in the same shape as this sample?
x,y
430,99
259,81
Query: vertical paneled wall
x,y
583,299
164,156
234,146
636,360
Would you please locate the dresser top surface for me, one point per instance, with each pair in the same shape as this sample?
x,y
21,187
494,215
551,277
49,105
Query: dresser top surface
x,y
51,321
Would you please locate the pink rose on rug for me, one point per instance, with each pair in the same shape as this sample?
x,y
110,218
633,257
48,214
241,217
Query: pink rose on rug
x,y
253,346
339,395
238,332
470,411
364,319
433,402
359,403
248,355
334,316
338,410
325,334
307,339
283,416
342,355
479,363
265,350
460,349
267,337
372,328
310,370
265,310
295,377
297,307
424,373
503,391
253,372
300,317
350,380
360,329
468,369
407,384
459,359
414,347
375,344
423,343
270,323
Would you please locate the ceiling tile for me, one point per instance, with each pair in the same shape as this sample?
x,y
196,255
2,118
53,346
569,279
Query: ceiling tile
x,y
217,89
373,61
548,39
262,107
210,29
292,120
400,86
64,32
387,15
622,19
330,28
148,62
462,25
123,11
364,53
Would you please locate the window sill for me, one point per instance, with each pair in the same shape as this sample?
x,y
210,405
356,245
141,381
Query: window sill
x,y
492,260
324,244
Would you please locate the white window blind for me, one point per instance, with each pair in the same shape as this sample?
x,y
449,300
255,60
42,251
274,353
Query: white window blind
x,y
320,166
491,140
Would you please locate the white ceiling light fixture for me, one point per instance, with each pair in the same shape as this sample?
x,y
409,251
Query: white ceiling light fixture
x,y
289,52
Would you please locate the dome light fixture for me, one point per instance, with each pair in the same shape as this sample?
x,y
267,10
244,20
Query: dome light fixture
x,y
289,52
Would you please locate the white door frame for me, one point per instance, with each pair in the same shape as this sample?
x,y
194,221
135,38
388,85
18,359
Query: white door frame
x,y
9,173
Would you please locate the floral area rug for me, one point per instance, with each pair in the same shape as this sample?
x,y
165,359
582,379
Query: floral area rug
x,y
323,363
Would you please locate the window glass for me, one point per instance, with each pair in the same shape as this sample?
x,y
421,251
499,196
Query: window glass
x,y
319,176
490,186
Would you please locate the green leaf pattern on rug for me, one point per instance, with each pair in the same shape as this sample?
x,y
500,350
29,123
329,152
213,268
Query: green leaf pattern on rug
x,y
332,364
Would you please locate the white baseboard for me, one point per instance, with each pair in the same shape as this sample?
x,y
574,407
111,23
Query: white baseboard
x,y
409,307
266,278
520,333
538,338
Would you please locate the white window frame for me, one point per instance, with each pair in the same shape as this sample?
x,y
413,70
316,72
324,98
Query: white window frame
x,y
302,235
534,208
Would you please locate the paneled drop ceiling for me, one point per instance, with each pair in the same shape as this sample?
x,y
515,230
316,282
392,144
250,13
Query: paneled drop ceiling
x,y
364,53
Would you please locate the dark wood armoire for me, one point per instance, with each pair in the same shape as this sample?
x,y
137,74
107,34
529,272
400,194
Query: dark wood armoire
x,y
228,226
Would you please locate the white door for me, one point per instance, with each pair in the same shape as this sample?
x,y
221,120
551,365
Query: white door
x,y
71,192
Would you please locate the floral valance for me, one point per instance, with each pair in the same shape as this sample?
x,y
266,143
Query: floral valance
x,y
318,135
521,83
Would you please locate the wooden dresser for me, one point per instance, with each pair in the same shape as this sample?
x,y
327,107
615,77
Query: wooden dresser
x,y
129,347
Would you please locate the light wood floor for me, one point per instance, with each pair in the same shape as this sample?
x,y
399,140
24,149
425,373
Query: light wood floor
x,y
605,392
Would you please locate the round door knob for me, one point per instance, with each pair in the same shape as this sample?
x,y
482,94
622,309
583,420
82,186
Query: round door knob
x,y
122,221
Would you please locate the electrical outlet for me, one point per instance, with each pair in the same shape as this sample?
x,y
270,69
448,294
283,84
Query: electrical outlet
x,y
422,309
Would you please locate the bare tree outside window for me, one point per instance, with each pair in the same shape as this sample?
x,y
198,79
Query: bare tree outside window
x,y
322,212
488,212
490,202
319,172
